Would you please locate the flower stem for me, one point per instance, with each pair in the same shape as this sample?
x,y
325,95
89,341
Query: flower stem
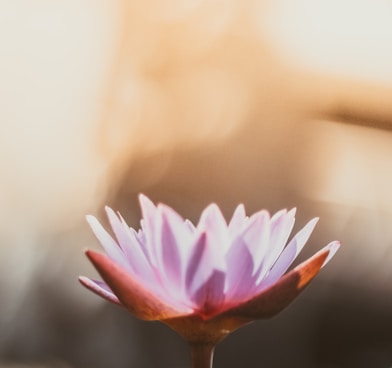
x,y
202,355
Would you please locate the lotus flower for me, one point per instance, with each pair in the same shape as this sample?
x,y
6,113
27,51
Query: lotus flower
x,y
203,280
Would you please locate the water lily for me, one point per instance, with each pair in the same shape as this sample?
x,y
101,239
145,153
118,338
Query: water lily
x,y
203,280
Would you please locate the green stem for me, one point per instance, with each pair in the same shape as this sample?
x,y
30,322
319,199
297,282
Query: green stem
x,y
202,355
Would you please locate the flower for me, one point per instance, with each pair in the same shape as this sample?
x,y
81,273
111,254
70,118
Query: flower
x,y
205,280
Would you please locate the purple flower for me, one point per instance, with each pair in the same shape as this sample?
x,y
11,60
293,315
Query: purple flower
x,y
203,280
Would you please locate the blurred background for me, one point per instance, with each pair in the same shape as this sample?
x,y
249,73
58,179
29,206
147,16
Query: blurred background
x,y
274,104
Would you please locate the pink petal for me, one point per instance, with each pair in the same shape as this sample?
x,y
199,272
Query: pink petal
x,y
174,240
199,267
121,231
212,218
204,281
333,248
149,212
99,288
169,244
111,248
190,225
132,293
280,231
129,243
289,254
210,296
240,281
237,221
122,237
281,226
256,235
214,225
279,295
147,206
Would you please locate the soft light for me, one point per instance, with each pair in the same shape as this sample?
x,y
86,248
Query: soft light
x,y
203,280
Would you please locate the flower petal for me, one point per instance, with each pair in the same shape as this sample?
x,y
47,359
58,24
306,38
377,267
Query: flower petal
x,y
281,226
289,254
283,292
99,288
148,223
111,248
140,301
196,275
238,220
210,296
239,279
123,239
256,235
333,248
190,226
174,241
136,258
214,225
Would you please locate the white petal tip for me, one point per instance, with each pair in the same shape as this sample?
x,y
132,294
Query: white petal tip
x,y
241,208
144,199
91,220
108,209
146,205
333,248
293,211
110,213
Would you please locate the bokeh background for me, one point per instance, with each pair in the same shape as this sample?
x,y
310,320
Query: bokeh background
x,y
270,103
